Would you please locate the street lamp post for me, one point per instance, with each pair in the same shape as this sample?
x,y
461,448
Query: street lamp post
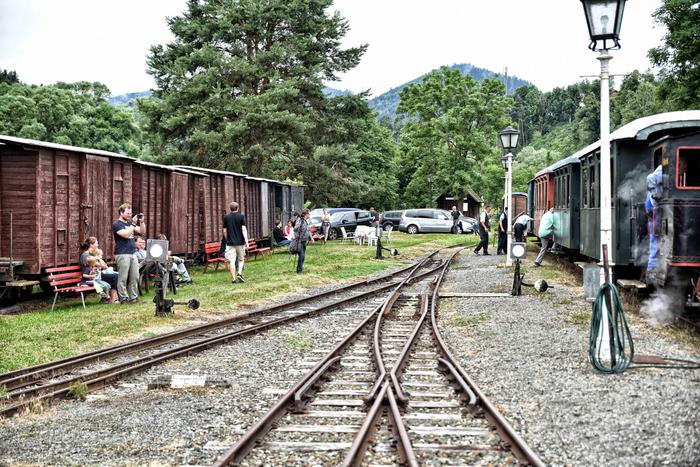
x,y
604,19
509,141
430,191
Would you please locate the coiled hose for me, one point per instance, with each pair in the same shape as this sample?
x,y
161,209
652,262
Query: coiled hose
x,y
622,351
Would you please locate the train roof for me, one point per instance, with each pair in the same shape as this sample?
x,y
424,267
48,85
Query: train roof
x,y
171,168
236,174
639,129
61,147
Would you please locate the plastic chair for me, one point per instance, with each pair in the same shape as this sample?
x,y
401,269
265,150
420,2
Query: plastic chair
x,y
345,235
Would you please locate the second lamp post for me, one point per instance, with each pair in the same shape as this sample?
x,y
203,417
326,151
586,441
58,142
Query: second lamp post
x,y
509,141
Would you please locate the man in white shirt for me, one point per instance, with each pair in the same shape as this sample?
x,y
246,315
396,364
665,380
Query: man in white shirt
x,y
520,226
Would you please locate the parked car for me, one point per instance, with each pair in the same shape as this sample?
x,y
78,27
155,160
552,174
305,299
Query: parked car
x,y
390,218
415,221
349,220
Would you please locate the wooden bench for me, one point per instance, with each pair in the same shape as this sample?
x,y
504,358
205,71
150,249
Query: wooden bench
x,y
66,279
212,254
255,250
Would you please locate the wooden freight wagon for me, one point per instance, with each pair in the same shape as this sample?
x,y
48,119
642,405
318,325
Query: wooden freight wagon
x,y
58,195
217,191
169,198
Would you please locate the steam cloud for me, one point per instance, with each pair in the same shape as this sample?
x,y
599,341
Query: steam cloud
x,y
659,308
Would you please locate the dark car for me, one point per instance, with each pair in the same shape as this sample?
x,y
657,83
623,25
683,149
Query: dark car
x,y
349,220
317,213
391,218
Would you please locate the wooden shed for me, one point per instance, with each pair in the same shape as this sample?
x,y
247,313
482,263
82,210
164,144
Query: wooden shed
x,y
58,195
468,203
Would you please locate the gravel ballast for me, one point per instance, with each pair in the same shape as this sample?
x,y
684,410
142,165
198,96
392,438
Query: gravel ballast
x,y
528,354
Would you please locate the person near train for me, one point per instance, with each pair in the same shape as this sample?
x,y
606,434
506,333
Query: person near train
x,y
503,233
92,276
289,231
520,226
124,229
455,218
546,234
91,247
484,225
302,234
177,265
279,236
236,234
654,194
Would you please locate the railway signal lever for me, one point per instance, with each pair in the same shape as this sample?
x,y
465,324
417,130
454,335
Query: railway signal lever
x,y
157,253
392,251
518,250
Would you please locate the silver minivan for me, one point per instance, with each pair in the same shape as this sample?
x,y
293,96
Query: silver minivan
x,y
416,221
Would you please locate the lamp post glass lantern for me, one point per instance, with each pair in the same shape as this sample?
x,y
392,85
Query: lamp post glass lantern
x,y
509,141
604,19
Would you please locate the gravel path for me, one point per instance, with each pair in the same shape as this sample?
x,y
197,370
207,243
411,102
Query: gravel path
x,y
545,386
529,355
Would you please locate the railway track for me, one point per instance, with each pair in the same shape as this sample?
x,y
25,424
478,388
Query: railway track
x,y
390,392
102,367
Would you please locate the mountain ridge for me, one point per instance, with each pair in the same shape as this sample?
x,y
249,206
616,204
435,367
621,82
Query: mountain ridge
x,y
384,104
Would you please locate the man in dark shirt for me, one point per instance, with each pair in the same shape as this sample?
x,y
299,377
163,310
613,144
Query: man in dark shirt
x,y
455,218
236,236
124,229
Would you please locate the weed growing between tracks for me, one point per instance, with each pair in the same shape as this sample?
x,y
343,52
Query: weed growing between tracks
x,y
32,338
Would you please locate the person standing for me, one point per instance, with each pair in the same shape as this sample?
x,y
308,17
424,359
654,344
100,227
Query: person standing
x,y
375,217
484,225
546,234
503,233
455,219
301,232
236,235
124,229
325,223
520,226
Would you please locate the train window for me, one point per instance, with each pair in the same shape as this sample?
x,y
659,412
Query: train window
x,y
658,153
688,168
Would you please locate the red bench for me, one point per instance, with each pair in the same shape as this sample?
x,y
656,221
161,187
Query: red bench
x,y
67,279
255,250
212,255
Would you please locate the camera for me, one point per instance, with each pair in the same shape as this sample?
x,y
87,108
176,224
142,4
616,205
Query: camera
x,y
139,216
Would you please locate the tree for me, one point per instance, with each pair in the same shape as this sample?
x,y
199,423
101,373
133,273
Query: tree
x,y
241,88
74,114
8,76
452,123
679,56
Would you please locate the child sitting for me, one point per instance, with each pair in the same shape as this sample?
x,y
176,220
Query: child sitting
x,y
107,274
95,278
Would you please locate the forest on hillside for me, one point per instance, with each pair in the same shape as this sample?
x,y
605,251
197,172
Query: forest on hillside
x,y
251,98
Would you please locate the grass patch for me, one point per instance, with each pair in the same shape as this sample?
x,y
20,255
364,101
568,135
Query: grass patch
x,y
3,391
580,317
41,336
300,341
464,321
78,390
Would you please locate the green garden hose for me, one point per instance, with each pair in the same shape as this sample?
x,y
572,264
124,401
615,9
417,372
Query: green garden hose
x,y
622,351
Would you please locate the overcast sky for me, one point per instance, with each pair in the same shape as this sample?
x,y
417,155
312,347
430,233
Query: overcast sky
x,y
542,41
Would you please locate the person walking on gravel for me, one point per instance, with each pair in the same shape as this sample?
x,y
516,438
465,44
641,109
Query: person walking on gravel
x,y
455,218
484,224
236,235
546,234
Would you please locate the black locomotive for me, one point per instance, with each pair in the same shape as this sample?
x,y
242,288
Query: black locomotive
x,y
655,177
